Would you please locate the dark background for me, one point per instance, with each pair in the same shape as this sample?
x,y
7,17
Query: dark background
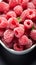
x,y
29,60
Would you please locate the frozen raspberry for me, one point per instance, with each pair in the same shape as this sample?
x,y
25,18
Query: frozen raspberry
x,y
31,13
10,14
23,40
28,24
34,2
23,15
17,47
9,45
3,22
24,3
19,31
8,36
33,34
29,44
18,10
4,7
30,5
13,3
1,32
13,22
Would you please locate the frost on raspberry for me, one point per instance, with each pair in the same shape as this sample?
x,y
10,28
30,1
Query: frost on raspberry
x,y
13,22
4,7
33,34
3,22
18,10
8,36
19,31
23,40
10,14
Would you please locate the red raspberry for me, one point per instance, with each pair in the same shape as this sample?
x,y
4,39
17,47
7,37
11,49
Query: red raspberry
x,y
1,32
31,13
30,5
18,10
3,22
28,24
17,48
4,7
8,36
33,34
29,44
7,1
13,22
23,40
19,31
23,3
10,14
23,15
34,2
13,3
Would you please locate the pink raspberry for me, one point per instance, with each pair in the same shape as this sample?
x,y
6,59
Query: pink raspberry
x,y
4,7
34,2
19,31
13,22
17,47
8,36
18,10
13,3
1,32
3,22
21,25
33,34
31,13
9,45
10,14
29,44
30,5
23,40
23,15
28,24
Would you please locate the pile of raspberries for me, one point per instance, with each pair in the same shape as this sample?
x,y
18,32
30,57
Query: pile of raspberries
x,y
18,23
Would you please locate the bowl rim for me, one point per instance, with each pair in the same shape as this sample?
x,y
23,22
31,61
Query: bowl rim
x,y
18,52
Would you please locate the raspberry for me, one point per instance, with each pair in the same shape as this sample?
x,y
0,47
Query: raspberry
x,y
3,22
19,31
28,24
13,3
8,36
1,32
30,5
18,10
13,22
33,34
21,25
23,15
10,14
23,3
23,40
31,13
7,1
29,44
9,45
34,2
17,48
4,7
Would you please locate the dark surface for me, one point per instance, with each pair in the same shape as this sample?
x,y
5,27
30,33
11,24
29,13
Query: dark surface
x,y
29,60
